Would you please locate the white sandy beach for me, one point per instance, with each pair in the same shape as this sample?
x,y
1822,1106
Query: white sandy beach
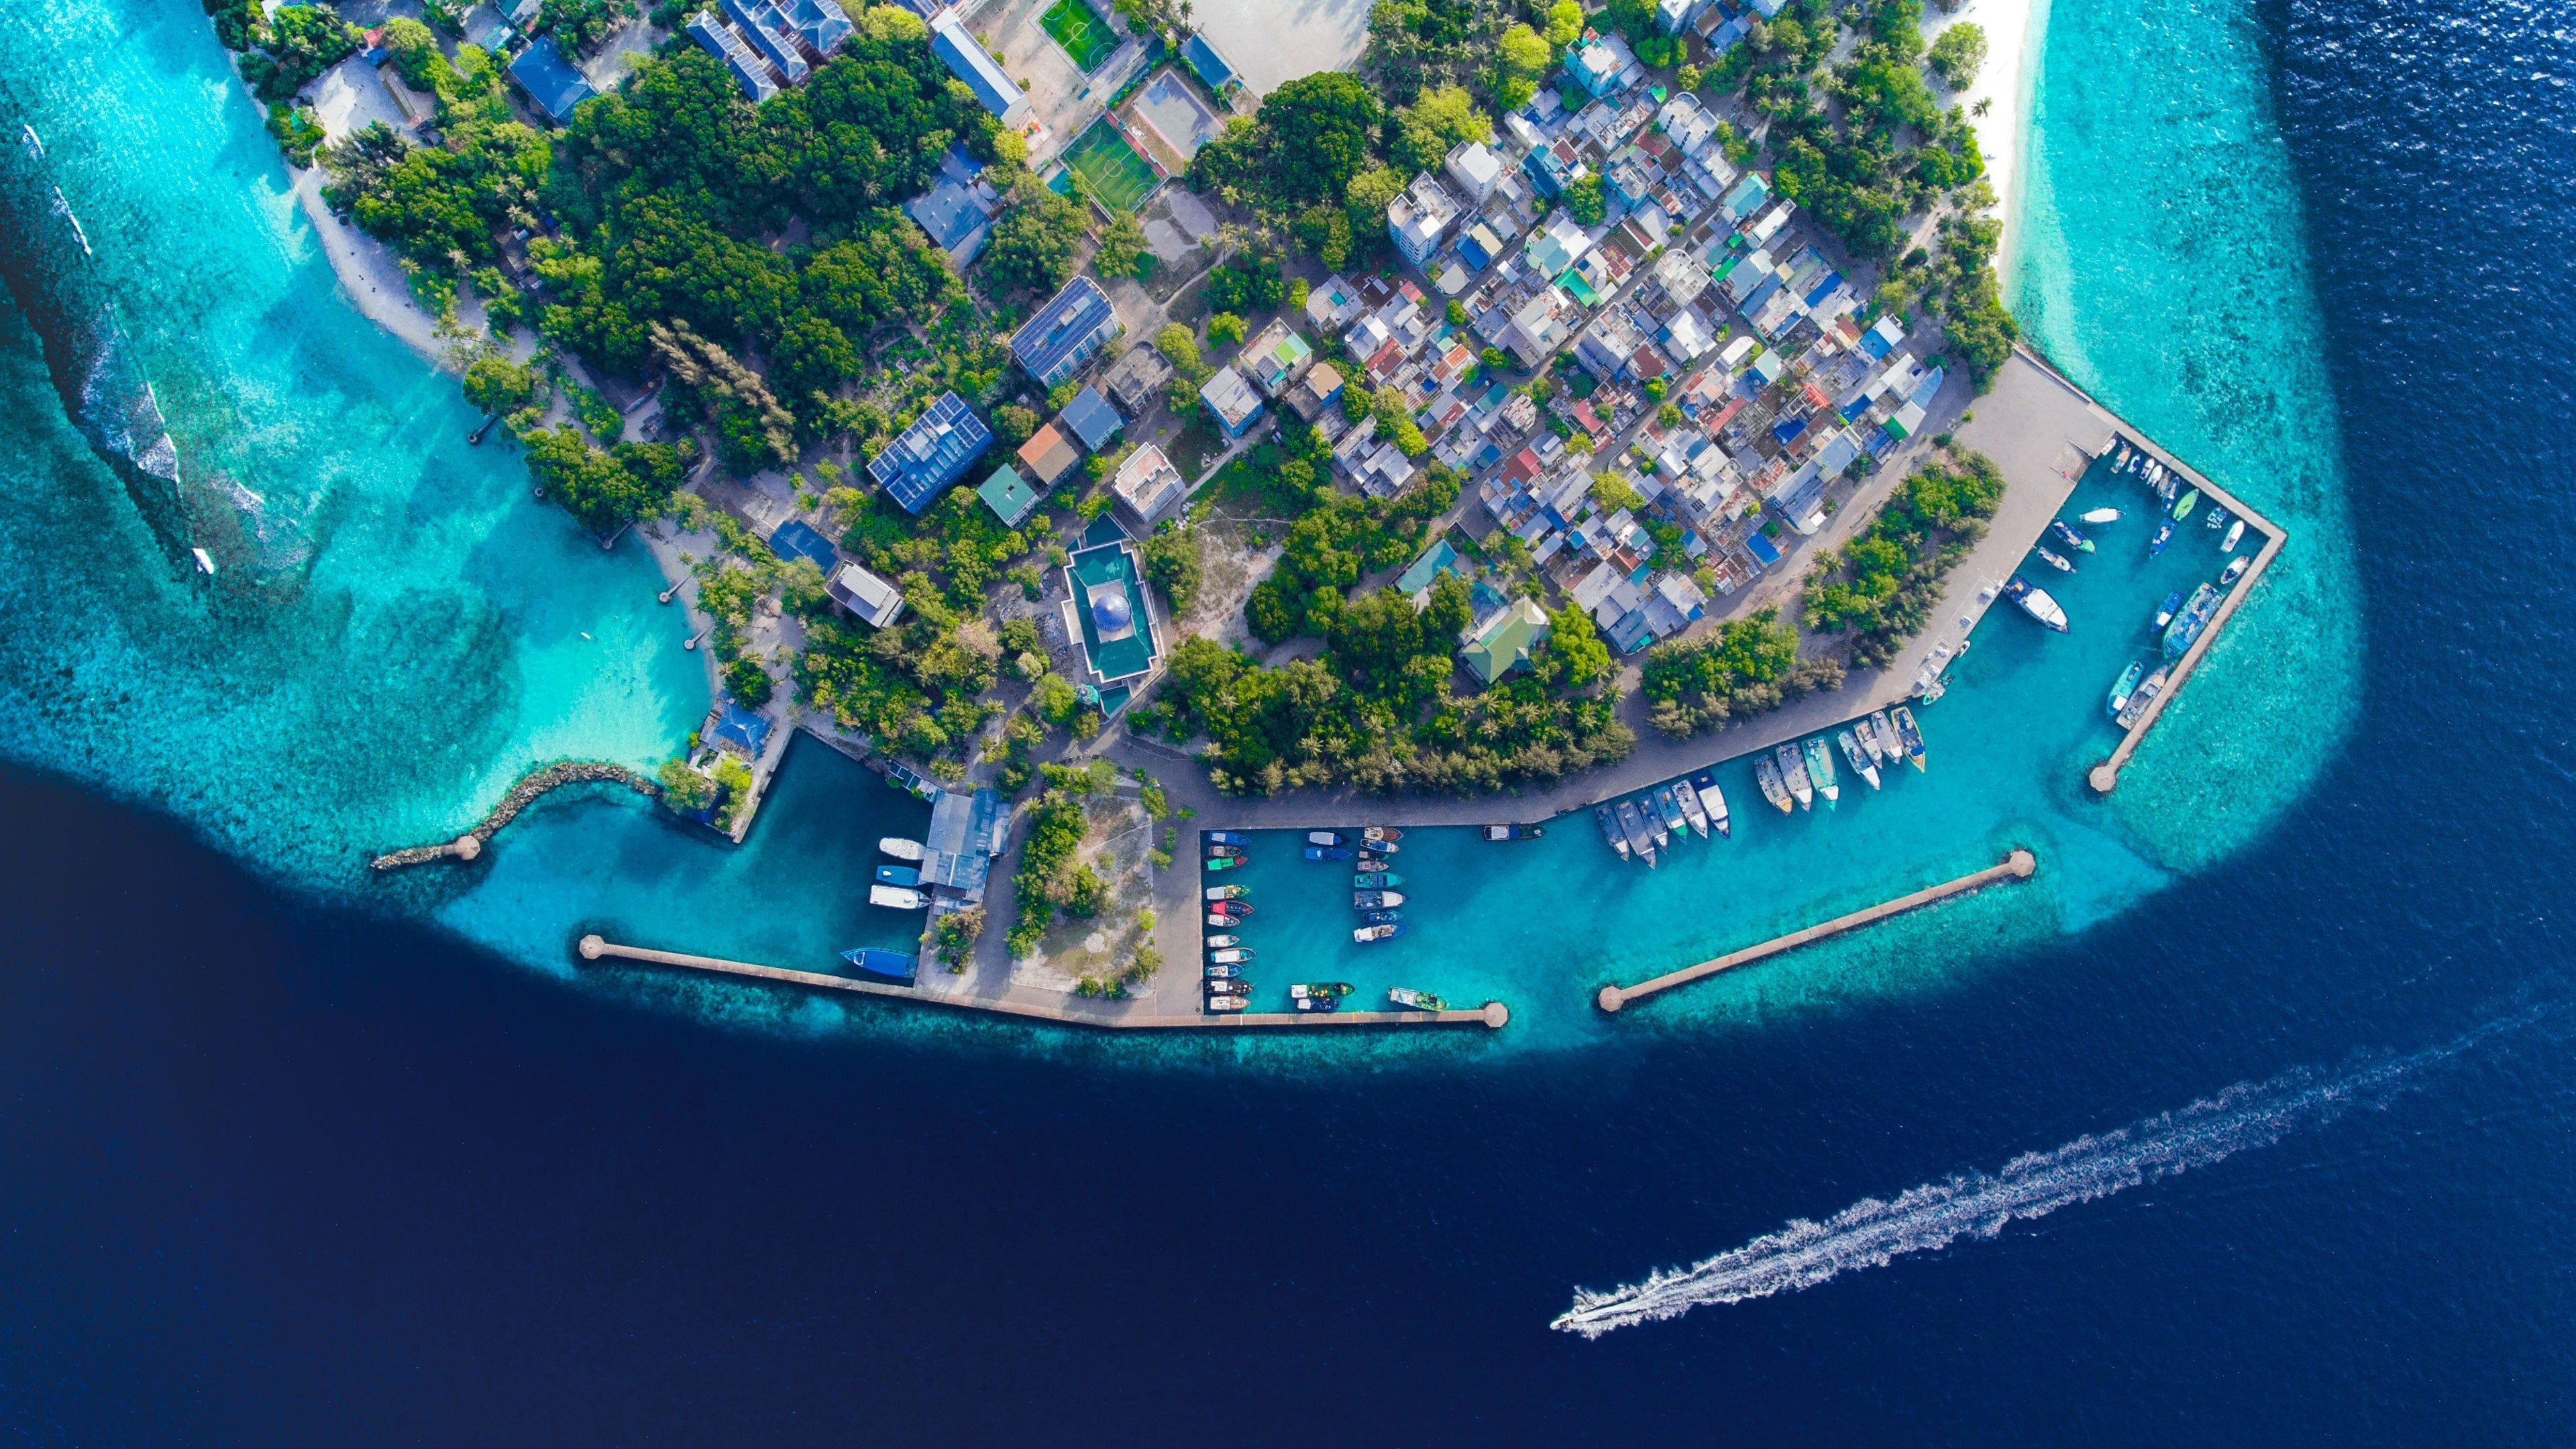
x,y
2014,31
345,98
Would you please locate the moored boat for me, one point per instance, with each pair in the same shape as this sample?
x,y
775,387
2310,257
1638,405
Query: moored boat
x,y
1228,892
897,898
1220,942
1225,1005
2035,602
2062,565
1908,735
2194,617
1820,768
1382,833
1328,990
1669,806
1381,918
1865,731
1211,974
2066,534
2235,569
1688,799
2164,535
1219,862
1412,1000
1317,1003
1326,837
2127,686
1885,729
2217,519
1859,759
898,875
1370,935
2171,606
1371,862
1223,852
1376,880
877,961
1711,799
1229,955
1228,919
2099,516
2148,689
1793,773
1766,773
1327,852
1631,825
1656,829
2235,536
1610,830
900,848
1514,832
1375,900
2190,501
1228,837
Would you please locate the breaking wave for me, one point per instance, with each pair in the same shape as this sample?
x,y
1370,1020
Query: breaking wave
x,y
1872,1233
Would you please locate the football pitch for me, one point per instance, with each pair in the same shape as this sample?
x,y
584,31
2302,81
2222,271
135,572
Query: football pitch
x,y
1110,167
1083,34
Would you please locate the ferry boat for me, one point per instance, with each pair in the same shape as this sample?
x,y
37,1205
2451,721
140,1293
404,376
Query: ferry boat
x,y
1228,837
1610,830
1224,852
2069,537
1224,1005
897,898
1317,1003
1327,852
1669,806
1820,769
1219,862
2148,689
1229,892
898,875
1793,773
2127,686
2171,606
1382,833
1219,943
1319,990
1412,1000
2235,536
900,848
1688,799
2036,603
1370,935
2058,562
2182,510
1710,799
1640,843
1326,837
2099,516
1908,735
877,961
1376,880
1514,832
2164,535
2235,569
1375,900
1766,773
2194,617
1230,956
1860,762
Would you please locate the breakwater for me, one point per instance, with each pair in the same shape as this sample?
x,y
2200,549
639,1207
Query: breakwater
x,y
519,797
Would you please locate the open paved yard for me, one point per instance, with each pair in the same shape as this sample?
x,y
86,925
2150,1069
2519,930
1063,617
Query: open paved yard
x,y
1272,42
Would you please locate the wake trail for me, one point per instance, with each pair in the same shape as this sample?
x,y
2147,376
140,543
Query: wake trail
x,y
1871,1233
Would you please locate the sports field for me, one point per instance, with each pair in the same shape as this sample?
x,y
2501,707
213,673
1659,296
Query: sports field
x,y
1111,167
1083,34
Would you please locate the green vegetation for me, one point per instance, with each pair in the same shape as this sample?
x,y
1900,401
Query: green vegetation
x,y
1584,201
1746,667
1173,564
1122,250
605,489
1958,53
1048,877
582,26
684,790
953,937
1887,581
1036,245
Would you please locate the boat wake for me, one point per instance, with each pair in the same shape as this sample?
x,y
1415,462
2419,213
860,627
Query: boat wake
x,y
1872,1233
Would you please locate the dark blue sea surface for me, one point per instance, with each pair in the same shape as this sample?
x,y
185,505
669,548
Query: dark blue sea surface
x,y
275,1175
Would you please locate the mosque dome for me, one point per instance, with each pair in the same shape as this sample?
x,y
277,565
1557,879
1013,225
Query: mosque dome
x,y
1111,613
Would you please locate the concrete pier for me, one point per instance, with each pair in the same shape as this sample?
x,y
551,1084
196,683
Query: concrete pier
x,y
1493,1014
2015,867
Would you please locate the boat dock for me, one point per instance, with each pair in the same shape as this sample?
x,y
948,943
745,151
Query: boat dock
x,y
2018,866
1493,1014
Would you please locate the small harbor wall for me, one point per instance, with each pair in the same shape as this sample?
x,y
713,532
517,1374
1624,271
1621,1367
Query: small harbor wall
x,y
519,797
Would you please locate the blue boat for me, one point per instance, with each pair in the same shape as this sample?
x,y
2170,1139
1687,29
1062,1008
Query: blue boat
x,y
898,875
1327,852
1228,837
876,961
2164,535
2171,606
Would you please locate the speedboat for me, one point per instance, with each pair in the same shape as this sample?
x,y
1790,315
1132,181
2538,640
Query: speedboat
x,y
1766,773
900,848
1224,852
1860,762
1670,806
1219,862
2171,606
1228,837
1375,880
2036,603
1229,956
2190,501
897,898
1381,918
1375,900
1513,832
2068,536
1412,1000
898,875
1382,833
1370,935
1911,737
2099,516
2148,689
877,961
1229,892
1610,830
1325,837
2053,560
2164,535
2235,569
1688,799
1710,800
1219,943
2194,617
2127,686
1793,773
1820,769
1222,1005
2235,536
1327,852
1633,826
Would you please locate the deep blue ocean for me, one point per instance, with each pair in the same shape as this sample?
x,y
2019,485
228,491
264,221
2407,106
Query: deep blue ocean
x,y
272,1172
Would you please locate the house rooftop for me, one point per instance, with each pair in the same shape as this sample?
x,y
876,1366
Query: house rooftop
x,y
1008,495
553,86
1092,419
1060,336
919,464
1049,454
1503,642
1147,486
864,594
967,60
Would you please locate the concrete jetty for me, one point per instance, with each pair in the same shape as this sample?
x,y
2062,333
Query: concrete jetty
x,y
2015,867
1493,1014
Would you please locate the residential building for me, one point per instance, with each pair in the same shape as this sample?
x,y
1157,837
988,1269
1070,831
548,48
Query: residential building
x,y
1334,305
1316,392
1008,495
1048,455
1092,419
1672,15
1276,357
762,23
1064,334
552,86
1608,346
1604,66
1147,486
1416,581
1420,218
1106,611
1136,382
1231,399
1541,326
871,598
1557,246
735,54
920,463
1478,246
1676,280
966,59
1475,168
957,211
1747,198
1686,337
1690,124
1505,640
822,25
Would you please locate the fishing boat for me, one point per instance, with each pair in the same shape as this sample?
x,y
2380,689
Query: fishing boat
x,y
2194,617
2164,535
1372,862
1688,799
1669,806
1820,768
1327,852
1209,976
1371,935
900,848
898,875
1633,826
1322,990
1376,880
2217,518
1381,918
1223,1005
2099,516
2235,569
1610,830
1220,942
1219,862
1375,900
1859,759
1229,892
1412,1000
1766,773
1793,773
1655,827
2148,689
2127,686
2170,607
878,961
1514,832
1224,852
1908,735
2066,535
897,898
2035,602
2182,510
1382,847
2235,536
1317,1003
1228,837
1711,799
1326,837
1382,833
1228,918
1230,956
2054,560
1867,735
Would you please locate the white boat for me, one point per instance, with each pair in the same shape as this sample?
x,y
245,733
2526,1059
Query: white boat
x,y
897,898
2136,708
900,848
2035,602
2100,516
1859,759
1688,799
206,564
2235,569
2235,536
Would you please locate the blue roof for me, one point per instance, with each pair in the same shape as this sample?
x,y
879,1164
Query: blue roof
x,y
1210,65
1065,332
918,465
956,211
797,539
967,60
553,86
740,726
1092,418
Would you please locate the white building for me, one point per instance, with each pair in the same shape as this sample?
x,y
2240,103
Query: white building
x,y
1475,168
1146,486
1420,218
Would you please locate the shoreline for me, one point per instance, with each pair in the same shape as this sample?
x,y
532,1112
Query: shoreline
x,y
346,97
2015,31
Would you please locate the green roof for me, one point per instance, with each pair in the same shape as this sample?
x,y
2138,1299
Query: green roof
x,y
1503,642
1008,495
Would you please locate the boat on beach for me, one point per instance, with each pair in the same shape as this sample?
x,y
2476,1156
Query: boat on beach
x,y
2136,709
2194,617
1820,769
900,848
1610,830
1375,900
2235,536
897,898
2127,686
2099,516
2066,535
1688,799
1375,880
1514,832
1793,773
2235,569
1908,735
1669,806
2053,560
1228,837
1766,773
2035,602
1412,1000
1633,826
1327,852
1229,892
1858,758
1711,799
1371,935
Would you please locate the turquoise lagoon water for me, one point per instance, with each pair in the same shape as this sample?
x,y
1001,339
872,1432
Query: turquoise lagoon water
x,y
452,631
